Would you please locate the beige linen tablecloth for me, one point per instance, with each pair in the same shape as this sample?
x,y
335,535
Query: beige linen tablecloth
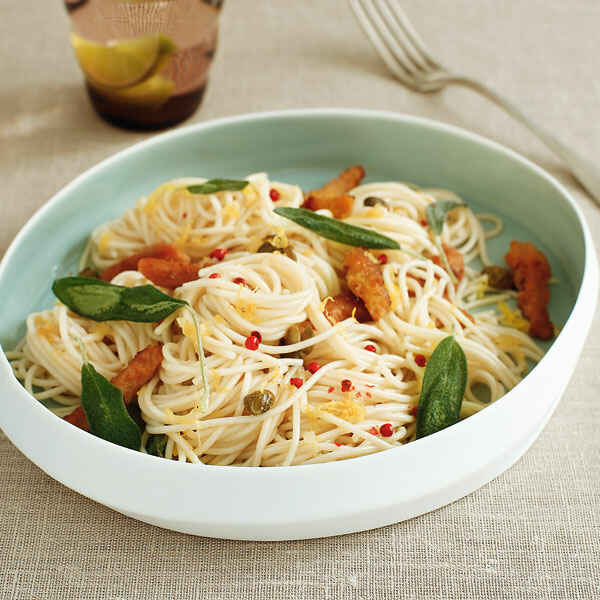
x,y
533,532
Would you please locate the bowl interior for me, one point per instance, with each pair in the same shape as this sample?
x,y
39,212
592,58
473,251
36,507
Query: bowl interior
x,y
306,149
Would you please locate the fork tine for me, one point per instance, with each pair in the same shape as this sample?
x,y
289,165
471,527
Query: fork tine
x,y
411,34
381,20
387,10
372,26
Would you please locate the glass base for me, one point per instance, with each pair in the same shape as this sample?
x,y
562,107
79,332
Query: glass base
x,y
129,116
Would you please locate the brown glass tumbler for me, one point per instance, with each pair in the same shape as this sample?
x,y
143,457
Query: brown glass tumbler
x,y
145,62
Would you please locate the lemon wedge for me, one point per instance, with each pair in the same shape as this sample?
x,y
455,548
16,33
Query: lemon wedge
x,y
151,92
119,64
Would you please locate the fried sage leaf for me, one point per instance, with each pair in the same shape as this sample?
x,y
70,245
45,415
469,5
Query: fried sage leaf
x,y
336,230
443,388
217,185
105,410
102,301
156,444
436,214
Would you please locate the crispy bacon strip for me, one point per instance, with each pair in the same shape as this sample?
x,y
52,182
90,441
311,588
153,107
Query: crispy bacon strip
x,y
167,273
342,306
164,251
334,194
531,276
140,370
365,279
455,258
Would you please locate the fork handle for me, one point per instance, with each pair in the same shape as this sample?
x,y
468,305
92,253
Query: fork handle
x,y
582,169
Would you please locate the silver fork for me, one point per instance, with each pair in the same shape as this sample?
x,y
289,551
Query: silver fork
x,y
406,56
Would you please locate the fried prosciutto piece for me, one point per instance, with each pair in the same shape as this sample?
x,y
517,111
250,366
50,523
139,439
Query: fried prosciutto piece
x,y
455,258
167,273
334,195
364,277
343,306
531,275
130,263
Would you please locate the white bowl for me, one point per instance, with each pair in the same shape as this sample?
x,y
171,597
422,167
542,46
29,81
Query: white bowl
x,y
314,500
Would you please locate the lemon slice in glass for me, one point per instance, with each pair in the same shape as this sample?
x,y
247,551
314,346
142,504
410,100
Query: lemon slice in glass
x,y
117,64
151,92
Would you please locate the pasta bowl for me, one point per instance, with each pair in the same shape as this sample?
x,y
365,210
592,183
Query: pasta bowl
x,y
304,147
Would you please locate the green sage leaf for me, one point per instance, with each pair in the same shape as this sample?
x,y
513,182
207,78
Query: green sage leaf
x,y
336,230
436,214
102,301
105,410
156,444
443,388
217,185
135,412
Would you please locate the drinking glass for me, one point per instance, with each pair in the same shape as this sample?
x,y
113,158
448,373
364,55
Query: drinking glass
x,y
145,62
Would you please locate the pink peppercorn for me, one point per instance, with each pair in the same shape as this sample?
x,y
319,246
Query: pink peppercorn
x,y
214,275
257,335
296,381
346,385
252,342
313,367
218,253
382,258
420,360
370,348
274,194
240,281
386,430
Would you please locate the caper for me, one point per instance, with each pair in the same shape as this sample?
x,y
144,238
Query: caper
x,y
373,201
292,335
267,247
306,331
499,278
298,333
259,402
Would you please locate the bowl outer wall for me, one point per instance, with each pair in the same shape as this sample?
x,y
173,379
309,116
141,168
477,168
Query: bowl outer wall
x,y
312,500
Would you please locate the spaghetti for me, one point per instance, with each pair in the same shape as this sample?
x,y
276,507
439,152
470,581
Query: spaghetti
x,y
360,394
